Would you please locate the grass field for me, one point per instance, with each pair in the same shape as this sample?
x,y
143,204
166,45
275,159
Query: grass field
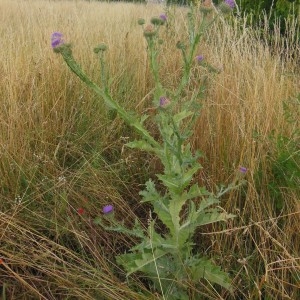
x,y
62,158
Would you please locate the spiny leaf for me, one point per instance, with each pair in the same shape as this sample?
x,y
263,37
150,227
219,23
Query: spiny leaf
x,y
182,115
196,191
206,269
144,118
200,217
188,175
142,145
134,262
136,231
162,211
170,182
212,217
206,202
150,194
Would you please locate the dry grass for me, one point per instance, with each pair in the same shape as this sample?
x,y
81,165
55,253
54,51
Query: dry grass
x,y
244,109
59,151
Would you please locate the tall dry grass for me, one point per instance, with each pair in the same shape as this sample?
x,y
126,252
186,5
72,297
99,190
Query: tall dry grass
x,y
60,151
243,111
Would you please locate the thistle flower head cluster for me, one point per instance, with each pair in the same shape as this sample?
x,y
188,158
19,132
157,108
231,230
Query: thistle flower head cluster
x,y
180,166
151,29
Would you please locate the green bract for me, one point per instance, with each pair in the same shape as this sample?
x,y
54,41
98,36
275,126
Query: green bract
x,y
141,21
101,47
157,21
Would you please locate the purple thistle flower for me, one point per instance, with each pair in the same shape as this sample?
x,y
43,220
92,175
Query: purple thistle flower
x,y
56,40
243,170
163,101
107,209
199,58
230,3
163,17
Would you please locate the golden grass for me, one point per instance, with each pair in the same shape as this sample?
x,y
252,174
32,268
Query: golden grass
x,y
59,151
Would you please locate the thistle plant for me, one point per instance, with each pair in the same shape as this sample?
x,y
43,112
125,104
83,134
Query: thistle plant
x,y
167,257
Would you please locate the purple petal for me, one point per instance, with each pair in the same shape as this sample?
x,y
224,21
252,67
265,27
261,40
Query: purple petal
x,y
163,101
199,58
56,39
243,170
107,209
163,17
230,3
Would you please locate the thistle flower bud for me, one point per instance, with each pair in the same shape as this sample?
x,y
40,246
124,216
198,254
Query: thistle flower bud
x,y
100,47
157,21
205,9
180,45
206,6
149,31
164,102
141,21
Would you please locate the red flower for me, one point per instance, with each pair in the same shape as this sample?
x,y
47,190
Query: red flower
x,y
80,211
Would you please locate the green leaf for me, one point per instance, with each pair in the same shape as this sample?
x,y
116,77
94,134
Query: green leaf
x,y
202,268
133,262
178,182
150,194
170,181
142,145
188,175
175,293
201,217
136,231
196,191
160,204
162,211
206,202
182,115
175,207
213,216
153,240
144,118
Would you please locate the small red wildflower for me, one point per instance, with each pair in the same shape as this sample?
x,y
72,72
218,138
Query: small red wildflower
x,y
80,211
1,261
